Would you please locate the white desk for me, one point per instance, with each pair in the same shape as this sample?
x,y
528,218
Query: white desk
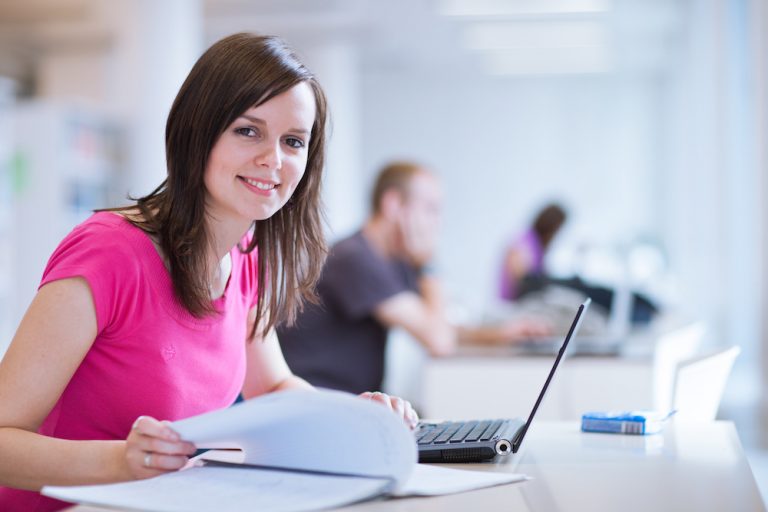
x,y
487,382
688,467
697,467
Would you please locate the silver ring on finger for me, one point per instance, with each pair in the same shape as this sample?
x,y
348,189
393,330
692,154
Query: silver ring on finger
x,y
147,459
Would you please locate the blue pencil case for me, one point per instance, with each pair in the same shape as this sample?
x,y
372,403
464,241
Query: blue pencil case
x,y
625,422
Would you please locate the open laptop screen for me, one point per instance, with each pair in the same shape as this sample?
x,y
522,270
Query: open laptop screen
x,y
571,333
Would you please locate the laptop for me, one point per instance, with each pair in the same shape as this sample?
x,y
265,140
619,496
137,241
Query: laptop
x,y
609,340
480,440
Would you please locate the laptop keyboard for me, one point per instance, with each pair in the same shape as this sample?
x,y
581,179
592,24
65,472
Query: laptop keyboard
x,y
457,431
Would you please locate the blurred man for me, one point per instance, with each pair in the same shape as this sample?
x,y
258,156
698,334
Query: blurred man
x,y
376,279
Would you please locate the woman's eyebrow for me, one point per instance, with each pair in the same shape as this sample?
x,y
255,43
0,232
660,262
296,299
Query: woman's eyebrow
x,y
260,121
253,119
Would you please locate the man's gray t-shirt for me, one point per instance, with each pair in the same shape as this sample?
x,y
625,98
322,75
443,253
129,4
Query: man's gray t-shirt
x,y
339,344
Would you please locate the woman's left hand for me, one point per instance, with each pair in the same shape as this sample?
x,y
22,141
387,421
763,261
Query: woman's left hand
x,y
396,404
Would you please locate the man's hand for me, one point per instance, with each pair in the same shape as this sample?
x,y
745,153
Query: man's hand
x,y
506,333
525,328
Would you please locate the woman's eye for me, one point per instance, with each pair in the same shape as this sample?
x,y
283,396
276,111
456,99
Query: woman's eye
x,y
248,132
294,142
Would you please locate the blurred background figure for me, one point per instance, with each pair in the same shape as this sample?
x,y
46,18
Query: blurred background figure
x,y
525,256
526,280
379,278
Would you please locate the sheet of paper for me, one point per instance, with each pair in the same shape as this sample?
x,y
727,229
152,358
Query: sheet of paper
x,y
429,480
203,489
316,430
242,489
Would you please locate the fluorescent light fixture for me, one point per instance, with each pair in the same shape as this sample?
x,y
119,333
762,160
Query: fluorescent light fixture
x,y
548,61
534,34
520,7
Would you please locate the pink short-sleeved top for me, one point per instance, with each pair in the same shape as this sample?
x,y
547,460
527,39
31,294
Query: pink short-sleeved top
x,y
150,356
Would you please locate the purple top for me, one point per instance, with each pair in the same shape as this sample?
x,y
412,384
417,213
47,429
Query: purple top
x,y
529,244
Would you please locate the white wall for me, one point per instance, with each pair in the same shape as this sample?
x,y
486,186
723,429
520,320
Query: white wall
x,y
155,46
336,64
759,54
713,191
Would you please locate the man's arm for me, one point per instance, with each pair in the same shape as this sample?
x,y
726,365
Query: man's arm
x,y
422,315
505,333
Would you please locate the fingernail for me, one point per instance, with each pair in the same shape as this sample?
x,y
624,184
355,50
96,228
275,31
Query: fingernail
x,y
170,434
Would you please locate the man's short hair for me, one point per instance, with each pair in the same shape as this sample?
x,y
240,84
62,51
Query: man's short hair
x,y
395,175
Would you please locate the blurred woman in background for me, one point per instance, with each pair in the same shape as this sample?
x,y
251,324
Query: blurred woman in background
x,y
524,257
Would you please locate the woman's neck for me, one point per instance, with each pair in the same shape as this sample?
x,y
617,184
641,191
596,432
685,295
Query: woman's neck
x,y
223,236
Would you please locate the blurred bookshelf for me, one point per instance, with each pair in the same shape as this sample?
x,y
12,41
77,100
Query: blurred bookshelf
x,y
64,160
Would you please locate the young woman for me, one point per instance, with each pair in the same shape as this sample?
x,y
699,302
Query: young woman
x,y
166,308
525,256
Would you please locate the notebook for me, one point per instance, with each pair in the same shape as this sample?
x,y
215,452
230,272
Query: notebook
x,y
479,440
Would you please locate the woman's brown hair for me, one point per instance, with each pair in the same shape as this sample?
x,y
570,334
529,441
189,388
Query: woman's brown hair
x,y
548,222
235,74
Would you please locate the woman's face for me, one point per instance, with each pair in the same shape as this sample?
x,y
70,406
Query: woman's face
x,y
258,161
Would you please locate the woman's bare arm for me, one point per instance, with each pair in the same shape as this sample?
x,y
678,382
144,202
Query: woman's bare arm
x,y
55,335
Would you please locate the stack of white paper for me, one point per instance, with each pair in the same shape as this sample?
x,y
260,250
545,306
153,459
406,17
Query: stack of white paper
x,y
314,450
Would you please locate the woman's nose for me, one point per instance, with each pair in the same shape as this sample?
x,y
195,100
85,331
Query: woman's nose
x,y
269,156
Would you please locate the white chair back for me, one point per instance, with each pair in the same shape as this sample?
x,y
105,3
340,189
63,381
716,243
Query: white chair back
x,y
700,382
672,348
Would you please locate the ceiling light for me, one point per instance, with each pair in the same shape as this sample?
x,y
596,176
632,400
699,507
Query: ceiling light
x,y
538,61
520,7
534,34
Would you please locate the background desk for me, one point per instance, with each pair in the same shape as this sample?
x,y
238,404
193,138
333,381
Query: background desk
x,y
487,382
697,467
493,382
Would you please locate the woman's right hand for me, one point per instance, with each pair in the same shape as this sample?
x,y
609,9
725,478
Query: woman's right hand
x,y
153,448
402,408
